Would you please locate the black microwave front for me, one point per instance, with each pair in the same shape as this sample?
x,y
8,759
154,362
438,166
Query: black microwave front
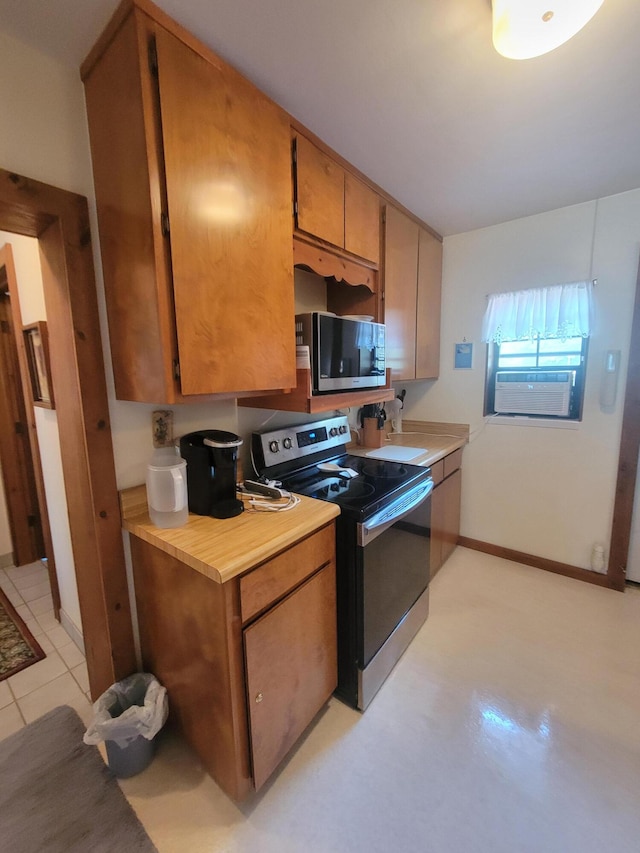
x,y
346,353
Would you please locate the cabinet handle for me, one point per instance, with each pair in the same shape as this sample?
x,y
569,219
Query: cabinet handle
x,y
259,697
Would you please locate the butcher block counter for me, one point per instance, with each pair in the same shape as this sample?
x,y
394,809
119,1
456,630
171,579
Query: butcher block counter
x,y
222,549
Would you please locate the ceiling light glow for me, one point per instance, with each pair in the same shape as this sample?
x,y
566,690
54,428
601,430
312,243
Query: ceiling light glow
x,y
523,29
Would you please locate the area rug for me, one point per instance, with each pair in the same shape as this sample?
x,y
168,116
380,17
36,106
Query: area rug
x,y
58,796
18,648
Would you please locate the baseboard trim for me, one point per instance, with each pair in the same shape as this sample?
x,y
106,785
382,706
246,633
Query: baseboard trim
x,y
72,629
538,562
6,560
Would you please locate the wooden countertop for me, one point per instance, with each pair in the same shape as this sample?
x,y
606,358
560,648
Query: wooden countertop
x,y
221,549
437,439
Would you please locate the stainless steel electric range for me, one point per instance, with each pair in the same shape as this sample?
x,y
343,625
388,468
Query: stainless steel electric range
x,y
382,543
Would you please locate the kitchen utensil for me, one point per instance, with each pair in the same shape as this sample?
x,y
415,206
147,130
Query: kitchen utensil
x,y
332,468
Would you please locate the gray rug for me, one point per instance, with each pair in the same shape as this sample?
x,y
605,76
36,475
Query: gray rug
x,y
58,796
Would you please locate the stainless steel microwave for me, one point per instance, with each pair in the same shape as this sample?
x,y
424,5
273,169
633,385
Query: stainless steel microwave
x,y
346,353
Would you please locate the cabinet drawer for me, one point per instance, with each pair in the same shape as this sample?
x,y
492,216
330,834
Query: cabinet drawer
x,y
452,462
437,472
278,576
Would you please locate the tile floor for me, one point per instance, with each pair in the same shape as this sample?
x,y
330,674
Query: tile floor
x,y
511,725
61,678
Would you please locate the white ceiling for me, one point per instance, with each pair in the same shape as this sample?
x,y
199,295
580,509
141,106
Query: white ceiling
x,y
413,94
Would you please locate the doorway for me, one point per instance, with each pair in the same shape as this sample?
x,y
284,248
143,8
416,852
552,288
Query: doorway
x,y
22,476
59,220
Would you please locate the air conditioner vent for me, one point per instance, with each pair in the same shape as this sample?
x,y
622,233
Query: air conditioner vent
x,y
533,393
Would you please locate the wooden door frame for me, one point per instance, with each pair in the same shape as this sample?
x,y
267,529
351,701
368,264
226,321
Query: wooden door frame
x,y
60,221
628,459
24,387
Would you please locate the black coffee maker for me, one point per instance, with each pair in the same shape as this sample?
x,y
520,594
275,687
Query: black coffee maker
x,y
212,461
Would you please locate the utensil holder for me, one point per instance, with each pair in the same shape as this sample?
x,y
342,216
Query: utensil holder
x,y
372,434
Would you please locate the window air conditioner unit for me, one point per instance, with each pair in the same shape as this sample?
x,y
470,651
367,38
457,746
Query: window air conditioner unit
x,y
533,393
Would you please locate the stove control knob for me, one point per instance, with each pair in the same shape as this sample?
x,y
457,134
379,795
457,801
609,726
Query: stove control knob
x,y
333,432
343,429
287,443
274,446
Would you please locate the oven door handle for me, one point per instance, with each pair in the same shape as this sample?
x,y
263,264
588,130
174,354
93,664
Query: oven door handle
x,y
398,509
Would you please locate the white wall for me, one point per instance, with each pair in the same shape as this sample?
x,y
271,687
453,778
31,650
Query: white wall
x,y
539,490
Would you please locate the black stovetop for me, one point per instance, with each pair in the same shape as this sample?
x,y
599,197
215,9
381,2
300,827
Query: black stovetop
x,y
377,483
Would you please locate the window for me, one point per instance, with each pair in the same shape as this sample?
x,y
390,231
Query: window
x,y
540,378
537,351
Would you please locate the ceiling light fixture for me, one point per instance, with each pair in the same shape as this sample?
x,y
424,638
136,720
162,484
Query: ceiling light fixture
x,y
526,28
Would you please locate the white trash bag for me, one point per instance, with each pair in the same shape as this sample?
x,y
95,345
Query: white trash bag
x,y
135,706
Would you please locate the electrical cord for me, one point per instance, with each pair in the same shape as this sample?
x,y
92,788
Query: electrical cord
x,y
262,504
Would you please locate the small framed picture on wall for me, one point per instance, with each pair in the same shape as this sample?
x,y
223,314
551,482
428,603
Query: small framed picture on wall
x,y
36,343
463,356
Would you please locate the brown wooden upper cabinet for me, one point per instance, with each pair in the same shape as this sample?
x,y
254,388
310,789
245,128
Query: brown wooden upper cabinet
x,y
193,186
333,205
412,297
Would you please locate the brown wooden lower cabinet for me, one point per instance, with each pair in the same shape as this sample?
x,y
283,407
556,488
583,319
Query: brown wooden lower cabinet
x,y
242,694
290,656
445,509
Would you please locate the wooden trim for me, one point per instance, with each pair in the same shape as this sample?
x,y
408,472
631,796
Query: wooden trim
x,y
302,400
60,221
628,459
6,260
329,261
537,562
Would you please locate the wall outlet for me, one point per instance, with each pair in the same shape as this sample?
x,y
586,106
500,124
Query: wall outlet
x,y
162,426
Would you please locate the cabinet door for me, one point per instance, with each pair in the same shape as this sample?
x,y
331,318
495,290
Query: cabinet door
x,y
445,514
361,219
320,193
226,150
437,528
291,669
119,97
428,306
451,528
400,277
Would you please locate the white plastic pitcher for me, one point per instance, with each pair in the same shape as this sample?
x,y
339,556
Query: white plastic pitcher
x,y
167,488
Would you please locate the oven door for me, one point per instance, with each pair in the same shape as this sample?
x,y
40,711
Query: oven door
x,y
392,581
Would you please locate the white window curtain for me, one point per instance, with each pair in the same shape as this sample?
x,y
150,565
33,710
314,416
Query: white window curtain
x,y
561,311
